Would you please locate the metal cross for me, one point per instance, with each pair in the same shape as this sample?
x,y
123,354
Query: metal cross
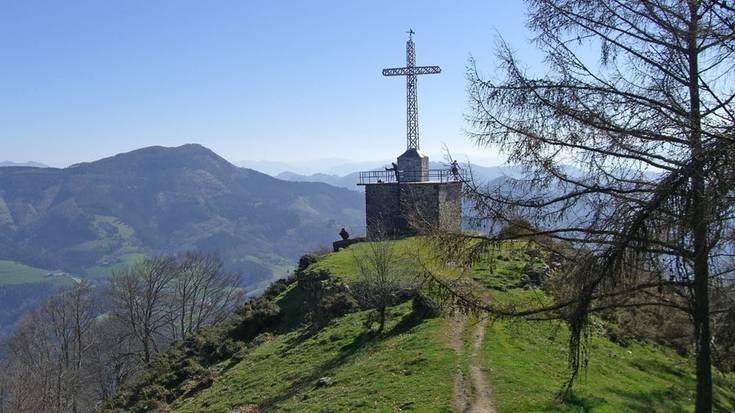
x,y
410,71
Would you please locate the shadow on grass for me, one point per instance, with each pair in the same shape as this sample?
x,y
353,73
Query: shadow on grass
x,y
346,352
408,322
576,403
307,332
663,400
292,304
666,400
663,371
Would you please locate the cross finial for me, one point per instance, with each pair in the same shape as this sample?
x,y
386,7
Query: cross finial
x,y
411,71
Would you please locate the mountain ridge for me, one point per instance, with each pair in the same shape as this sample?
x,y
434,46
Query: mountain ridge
x,y
158,199
27,164
481,174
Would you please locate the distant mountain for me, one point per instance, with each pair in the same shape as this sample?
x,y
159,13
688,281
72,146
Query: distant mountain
x,y
158,199
329,166
29,163
271,168
349,181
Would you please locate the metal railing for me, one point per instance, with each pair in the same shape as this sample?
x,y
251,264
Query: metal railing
x,y
387,177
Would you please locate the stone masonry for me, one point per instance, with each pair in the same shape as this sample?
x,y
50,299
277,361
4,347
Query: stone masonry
x,y
409,208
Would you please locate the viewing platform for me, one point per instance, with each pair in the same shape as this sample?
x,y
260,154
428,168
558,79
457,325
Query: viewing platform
x,y
427,176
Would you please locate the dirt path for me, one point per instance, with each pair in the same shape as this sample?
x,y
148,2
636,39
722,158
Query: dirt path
x,y
459,394
481,395
482,402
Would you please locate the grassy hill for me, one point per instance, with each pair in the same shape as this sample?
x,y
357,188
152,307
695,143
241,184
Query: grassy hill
x,y
12,272
23,288
290,362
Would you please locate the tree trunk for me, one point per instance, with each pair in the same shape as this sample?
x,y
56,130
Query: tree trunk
x,y
381,312
146,351
699,225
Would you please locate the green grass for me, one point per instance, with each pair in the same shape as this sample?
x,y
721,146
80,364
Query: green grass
x,y
106,270
407,367
281,267
412,365
12,272
123,230
342,264
503,270
526,362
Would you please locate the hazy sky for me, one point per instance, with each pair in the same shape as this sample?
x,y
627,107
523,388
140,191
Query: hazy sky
x,y
273,80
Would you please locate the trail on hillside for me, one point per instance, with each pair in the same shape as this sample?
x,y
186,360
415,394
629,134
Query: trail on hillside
x,y
457,327
481,400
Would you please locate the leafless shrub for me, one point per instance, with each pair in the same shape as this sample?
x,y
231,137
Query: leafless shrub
x,y
384,277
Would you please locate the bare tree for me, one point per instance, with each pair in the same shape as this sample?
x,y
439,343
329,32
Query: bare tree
x,y
139,296
383,276
70,316
114,359
64,358
166,298
4,387
629,158
201,293
47,356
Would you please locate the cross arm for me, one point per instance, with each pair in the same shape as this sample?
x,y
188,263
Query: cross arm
x,y
416,70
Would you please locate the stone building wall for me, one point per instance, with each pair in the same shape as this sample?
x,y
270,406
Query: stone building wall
x,y
383,210
420,205
450,206
393,210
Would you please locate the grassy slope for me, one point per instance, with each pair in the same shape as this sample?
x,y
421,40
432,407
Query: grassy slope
x,y
408,367
413,365
527,363
106,270
12,272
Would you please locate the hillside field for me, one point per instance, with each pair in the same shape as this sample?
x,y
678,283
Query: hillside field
x,y
12,272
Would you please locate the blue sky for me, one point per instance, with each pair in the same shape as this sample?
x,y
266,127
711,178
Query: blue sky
x,y
272,80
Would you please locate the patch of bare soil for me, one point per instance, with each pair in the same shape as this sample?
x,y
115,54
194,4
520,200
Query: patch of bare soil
x,y
480,399
459,395
482,402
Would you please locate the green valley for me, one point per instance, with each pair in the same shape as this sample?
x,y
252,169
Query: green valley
x,y
12,272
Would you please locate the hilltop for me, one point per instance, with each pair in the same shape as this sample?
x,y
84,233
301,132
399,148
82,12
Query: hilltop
x,y
304,346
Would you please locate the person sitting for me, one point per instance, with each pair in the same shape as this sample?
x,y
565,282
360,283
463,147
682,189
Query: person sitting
x,y
344,234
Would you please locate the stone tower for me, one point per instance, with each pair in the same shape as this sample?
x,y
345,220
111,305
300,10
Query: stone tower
x,y
410,198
